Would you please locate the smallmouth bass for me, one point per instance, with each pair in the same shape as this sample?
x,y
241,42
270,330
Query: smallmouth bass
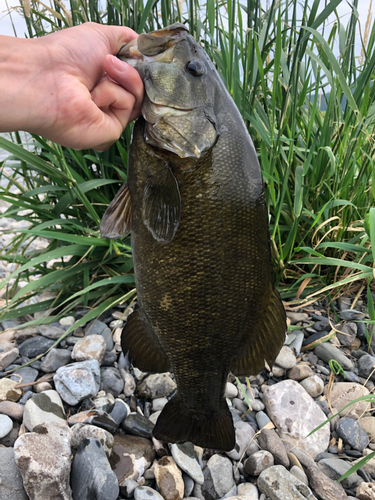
x,y
194,201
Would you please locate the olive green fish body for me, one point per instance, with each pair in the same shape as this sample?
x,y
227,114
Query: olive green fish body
x,y
202,263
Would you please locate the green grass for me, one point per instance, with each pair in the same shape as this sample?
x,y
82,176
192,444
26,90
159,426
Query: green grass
x,y
309,111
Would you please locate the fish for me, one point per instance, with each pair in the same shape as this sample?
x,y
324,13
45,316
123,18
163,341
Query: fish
x,y
194,202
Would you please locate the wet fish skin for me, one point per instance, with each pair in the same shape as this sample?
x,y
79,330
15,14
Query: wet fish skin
x,y
200,238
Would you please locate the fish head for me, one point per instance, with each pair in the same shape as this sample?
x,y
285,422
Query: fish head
x,y
180,85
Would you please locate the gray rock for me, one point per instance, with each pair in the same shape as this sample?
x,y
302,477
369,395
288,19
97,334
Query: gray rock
x,y
188,484
79,432
7,357
351,314
244,439
187,459
334,468
286,358
351,432
146,493
157,385
159,403
90,347
95,417
366,365
6,425
119,411
296,317
278,484
299,474
352,377
295,414
314,386
27,375
95,327
300,372
344,393
258,462
323,486
11,485
248,490
13,410
92,476
262,419
296,344
42,408
109,358
218,477
35,346
78,381
111,381
348,335
51,332
138,425
108,337
54,359
270,441
327,351
105,403
129,382
43,458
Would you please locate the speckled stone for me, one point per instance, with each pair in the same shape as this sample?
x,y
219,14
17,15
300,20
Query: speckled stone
x,y
157,385
90,347
78,381
277,483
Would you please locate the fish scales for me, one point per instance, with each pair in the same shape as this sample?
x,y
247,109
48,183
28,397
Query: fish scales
x,y
206,300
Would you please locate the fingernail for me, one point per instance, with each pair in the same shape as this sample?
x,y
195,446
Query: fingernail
x,y
118,64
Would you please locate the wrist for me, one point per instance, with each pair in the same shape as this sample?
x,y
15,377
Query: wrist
x,y
21,81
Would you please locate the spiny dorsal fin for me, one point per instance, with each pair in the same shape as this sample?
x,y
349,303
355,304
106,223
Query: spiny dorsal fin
x,y
116,221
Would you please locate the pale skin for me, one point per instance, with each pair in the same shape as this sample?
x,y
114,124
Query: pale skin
x,y
69,87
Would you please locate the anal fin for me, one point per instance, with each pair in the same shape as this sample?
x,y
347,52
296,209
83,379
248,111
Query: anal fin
x,y
116,221
145,351
266,339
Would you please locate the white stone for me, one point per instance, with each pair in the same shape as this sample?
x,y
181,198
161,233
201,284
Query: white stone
x,y
230,391
295,414
286,358
6,425
67,321
313,385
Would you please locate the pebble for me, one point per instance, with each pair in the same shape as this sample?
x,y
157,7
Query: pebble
x,y
67,321
54,359
366,366
50,332
11,484
77,381
6,425
351,314
300,372
95,327
244,440
258,462
119,411
270,441
13,410
186,458
79,432
218,477
366,491
92,476
25,375
335,468
286,358
131,457
277,483
284,401
314,386
367,423
8,390
90,347
146,493
323,486
138,425
95,417
348,335
327,351
351,432
7,357
231,391
343,393
42,408
157,385
43,458
111,381
169,479
35,346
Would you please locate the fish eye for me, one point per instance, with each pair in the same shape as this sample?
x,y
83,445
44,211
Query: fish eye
x,y
195,68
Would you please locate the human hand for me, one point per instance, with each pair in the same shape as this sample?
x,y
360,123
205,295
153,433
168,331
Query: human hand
x,y
69,87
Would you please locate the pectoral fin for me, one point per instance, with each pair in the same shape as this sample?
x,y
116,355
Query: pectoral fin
x,y
161,209
144,348
265,342
116,221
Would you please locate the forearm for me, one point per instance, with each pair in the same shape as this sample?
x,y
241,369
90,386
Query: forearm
x,y
23,99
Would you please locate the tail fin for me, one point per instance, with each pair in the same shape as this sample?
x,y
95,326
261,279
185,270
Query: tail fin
x,y
208,429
